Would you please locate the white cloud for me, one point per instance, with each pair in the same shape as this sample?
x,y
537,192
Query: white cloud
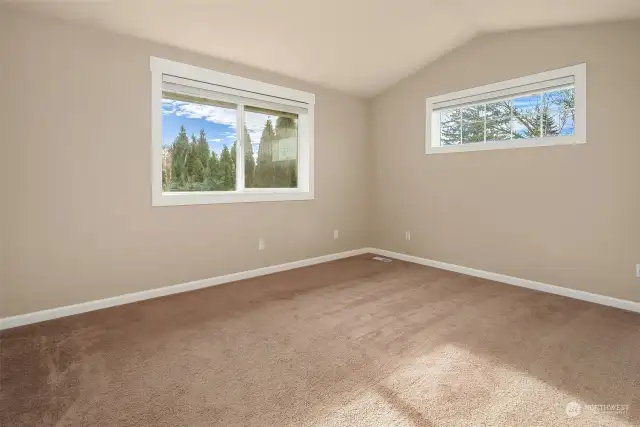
x,y
255,122
215,139
209,113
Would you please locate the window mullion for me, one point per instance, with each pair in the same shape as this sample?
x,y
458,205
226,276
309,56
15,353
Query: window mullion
x,y
240,148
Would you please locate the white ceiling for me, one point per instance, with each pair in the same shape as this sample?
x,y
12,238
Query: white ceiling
x,y
358,46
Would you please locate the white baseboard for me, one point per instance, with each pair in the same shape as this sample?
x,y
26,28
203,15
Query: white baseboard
x,y
69,310
516,281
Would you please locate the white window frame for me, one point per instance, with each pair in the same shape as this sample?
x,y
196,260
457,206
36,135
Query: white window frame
x,y
258,93
486,93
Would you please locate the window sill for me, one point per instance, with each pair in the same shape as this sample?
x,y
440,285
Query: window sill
x,y
216,197
502,145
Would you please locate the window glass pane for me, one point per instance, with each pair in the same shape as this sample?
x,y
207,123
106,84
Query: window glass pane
x,y
498,130
508,115
558,122
498,120
558,112
563,99
450,127
473,124
271,149
567,126
472,132
474,113
526,116
198,144
498,110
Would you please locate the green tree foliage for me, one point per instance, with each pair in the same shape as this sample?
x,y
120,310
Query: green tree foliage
x,y
191,160
194,167
202,148
227,173
213,177
179,154
198,173
270,170
450,126
234,154
473,124
286,174
498,120
249,161
285,126
264,168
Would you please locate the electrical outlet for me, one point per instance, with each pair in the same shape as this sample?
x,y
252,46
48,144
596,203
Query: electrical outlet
x,y
638,270
336,234
261,244
407,235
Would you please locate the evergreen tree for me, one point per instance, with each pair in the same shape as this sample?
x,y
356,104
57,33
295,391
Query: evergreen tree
x,y
227,174
249,161
293,175
264,171
473,124
285,170
214,172
202,148
179,154
285,127
198,171
498,121
234,154
450,127
191,159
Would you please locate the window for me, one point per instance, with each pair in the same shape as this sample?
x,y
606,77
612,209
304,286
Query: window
x,y
218,138
539,110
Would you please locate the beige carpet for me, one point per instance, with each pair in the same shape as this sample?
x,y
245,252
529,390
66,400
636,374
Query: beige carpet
x,y
349,343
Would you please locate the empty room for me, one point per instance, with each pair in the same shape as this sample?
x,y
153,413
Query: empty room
x,y
328,213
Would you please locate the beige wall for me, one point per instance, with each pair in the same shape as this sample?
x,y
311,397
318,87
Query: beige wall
x,y
75,143
77,221
567,216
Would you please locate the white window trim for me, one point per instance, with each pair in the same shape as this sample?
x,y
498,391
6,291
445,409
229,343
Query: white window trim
x,y
579,73
239,86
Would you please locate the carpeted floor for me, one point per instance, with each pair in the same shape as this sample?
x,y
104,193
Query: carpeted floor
x,y
354,342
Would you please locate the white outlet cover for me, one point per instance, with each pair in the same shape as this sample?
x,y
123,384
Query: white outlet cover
x,y
261,244
638,270
336,234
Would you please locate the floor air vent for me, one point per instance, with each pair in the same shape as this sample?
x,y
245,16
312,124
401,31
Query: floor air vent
x,y
381,259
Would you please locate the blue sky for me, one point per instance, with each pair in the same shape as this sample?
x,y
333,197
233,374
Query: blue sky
x,y
218,123
218,134
530,102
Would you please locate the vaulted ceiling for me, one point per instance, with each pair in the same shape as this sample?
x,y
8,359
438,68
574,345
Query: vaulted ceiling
x,y
357,46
